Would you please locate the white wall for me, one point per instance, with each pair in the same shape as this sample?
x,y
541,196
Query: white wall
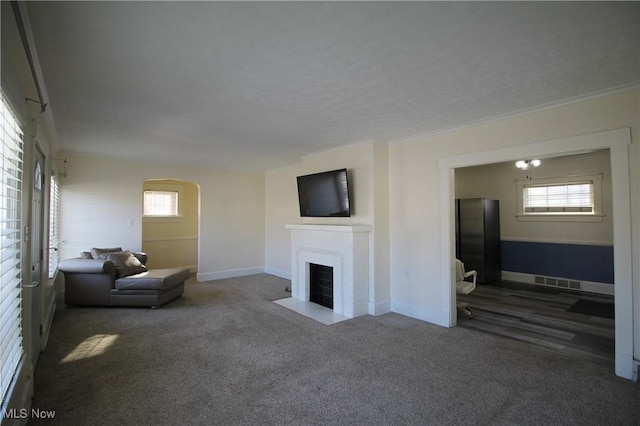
x,y
380,300
101,197
281,195
498,181
368,179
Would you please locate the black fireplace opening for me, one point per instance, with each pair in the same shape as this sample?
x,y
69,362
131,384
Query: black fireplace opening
x,y
321,285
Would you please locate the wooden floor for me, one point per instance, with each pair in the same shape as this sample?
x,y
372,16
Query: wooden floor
x,y
539,316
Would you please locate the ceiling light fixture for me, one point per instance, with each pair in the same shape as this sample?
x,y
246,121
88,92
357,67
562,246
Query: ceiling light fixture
x,y
524,164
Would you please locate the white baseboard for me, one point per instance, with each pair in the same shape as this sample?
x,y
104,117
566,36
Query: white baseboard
x,y
278,273
624,366
588,286
428,315
380,308
229,273
557,241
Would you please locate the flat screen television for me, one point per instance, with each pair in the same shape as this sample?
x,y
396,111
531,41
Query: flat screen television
x,y
324,194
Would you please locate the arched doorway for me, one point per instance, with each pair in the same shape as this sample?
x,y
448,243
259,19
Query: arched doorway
x,y
170,223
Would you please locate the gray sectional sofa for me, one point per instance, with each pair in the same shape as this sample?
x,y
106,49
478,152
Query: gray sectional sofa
x,y
113,277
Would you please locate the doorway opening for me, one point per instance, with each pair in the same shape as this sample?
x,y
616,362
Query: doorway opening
x,y
616,141
553,280
170,223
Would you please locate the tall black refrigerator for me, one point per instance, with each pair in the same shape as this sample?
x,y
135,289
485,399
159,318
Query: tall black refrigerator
x,y
478,237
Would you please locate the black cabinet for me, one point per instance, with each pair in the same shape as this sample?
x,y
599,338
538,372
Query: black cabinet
x,y
478,237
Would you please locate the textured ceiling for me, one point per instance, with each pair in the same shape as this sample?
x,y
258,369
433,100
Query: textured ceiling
x,y
256,85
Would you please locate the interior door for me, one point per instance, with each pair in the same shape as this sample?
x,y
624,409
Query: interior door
x,y
34,289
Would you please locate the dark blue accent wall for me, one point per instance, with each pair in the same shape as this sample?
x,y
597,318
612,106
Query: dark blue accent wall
x,y
574,261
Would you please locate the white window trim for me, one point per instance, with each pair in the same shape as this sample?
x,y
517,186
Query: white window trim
x,y
54,225
164,187
596,216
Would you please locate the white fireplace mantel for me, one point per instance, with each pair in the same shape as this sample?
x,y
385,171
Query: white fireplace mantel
x,y
345,248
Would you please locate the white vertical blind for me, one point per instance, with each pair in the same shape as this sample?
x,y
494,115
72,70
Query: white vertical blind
x,y
54,223
11,169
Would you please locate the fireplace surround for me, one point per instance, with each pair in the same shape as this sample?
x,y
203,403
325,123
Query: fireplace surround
x,y
345,248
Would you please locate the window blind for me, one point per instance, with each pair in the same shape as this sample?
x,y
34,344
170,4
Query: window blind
x,y
11,169
54,225
565,198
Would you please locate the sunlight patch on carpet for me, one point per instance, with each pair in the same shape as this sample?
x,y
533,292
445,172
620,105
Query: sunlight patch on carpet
x,y
93,346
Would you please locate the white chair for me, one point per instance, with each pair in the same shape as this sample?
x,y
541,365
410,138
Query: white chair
x,y
463,286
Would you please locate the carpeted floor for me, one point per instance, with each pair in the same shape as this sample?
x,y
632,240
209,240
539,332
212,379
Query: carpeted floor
x,y
224,354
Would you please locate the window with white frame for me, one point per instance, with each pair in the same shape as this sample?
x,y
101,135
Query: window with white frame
x,y
11,171
54,225
566,198
160,203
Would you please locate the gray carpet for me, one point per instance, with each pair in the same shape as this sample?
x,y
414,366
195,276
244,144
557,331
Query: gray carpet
x,y
225,354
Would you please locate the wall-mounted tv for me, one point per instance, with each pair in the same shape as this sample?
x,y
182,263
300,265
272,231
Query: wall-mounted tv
x,y
324,194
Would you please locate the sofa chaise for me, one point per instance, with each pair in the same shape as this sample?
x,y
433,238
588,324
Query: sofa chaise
x,y
113,277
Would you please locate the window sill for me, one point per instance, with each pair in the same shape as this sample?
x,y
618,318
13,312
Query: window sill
x,y
560,218
162,219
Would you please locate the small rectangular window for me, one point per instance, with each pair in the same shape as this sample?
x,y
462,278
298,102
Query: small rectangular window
x,y
160,203
570,198
575,198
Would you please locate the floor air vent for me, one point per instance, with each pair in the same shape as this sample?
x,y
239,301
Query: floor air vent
x,y
557,282
576,285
